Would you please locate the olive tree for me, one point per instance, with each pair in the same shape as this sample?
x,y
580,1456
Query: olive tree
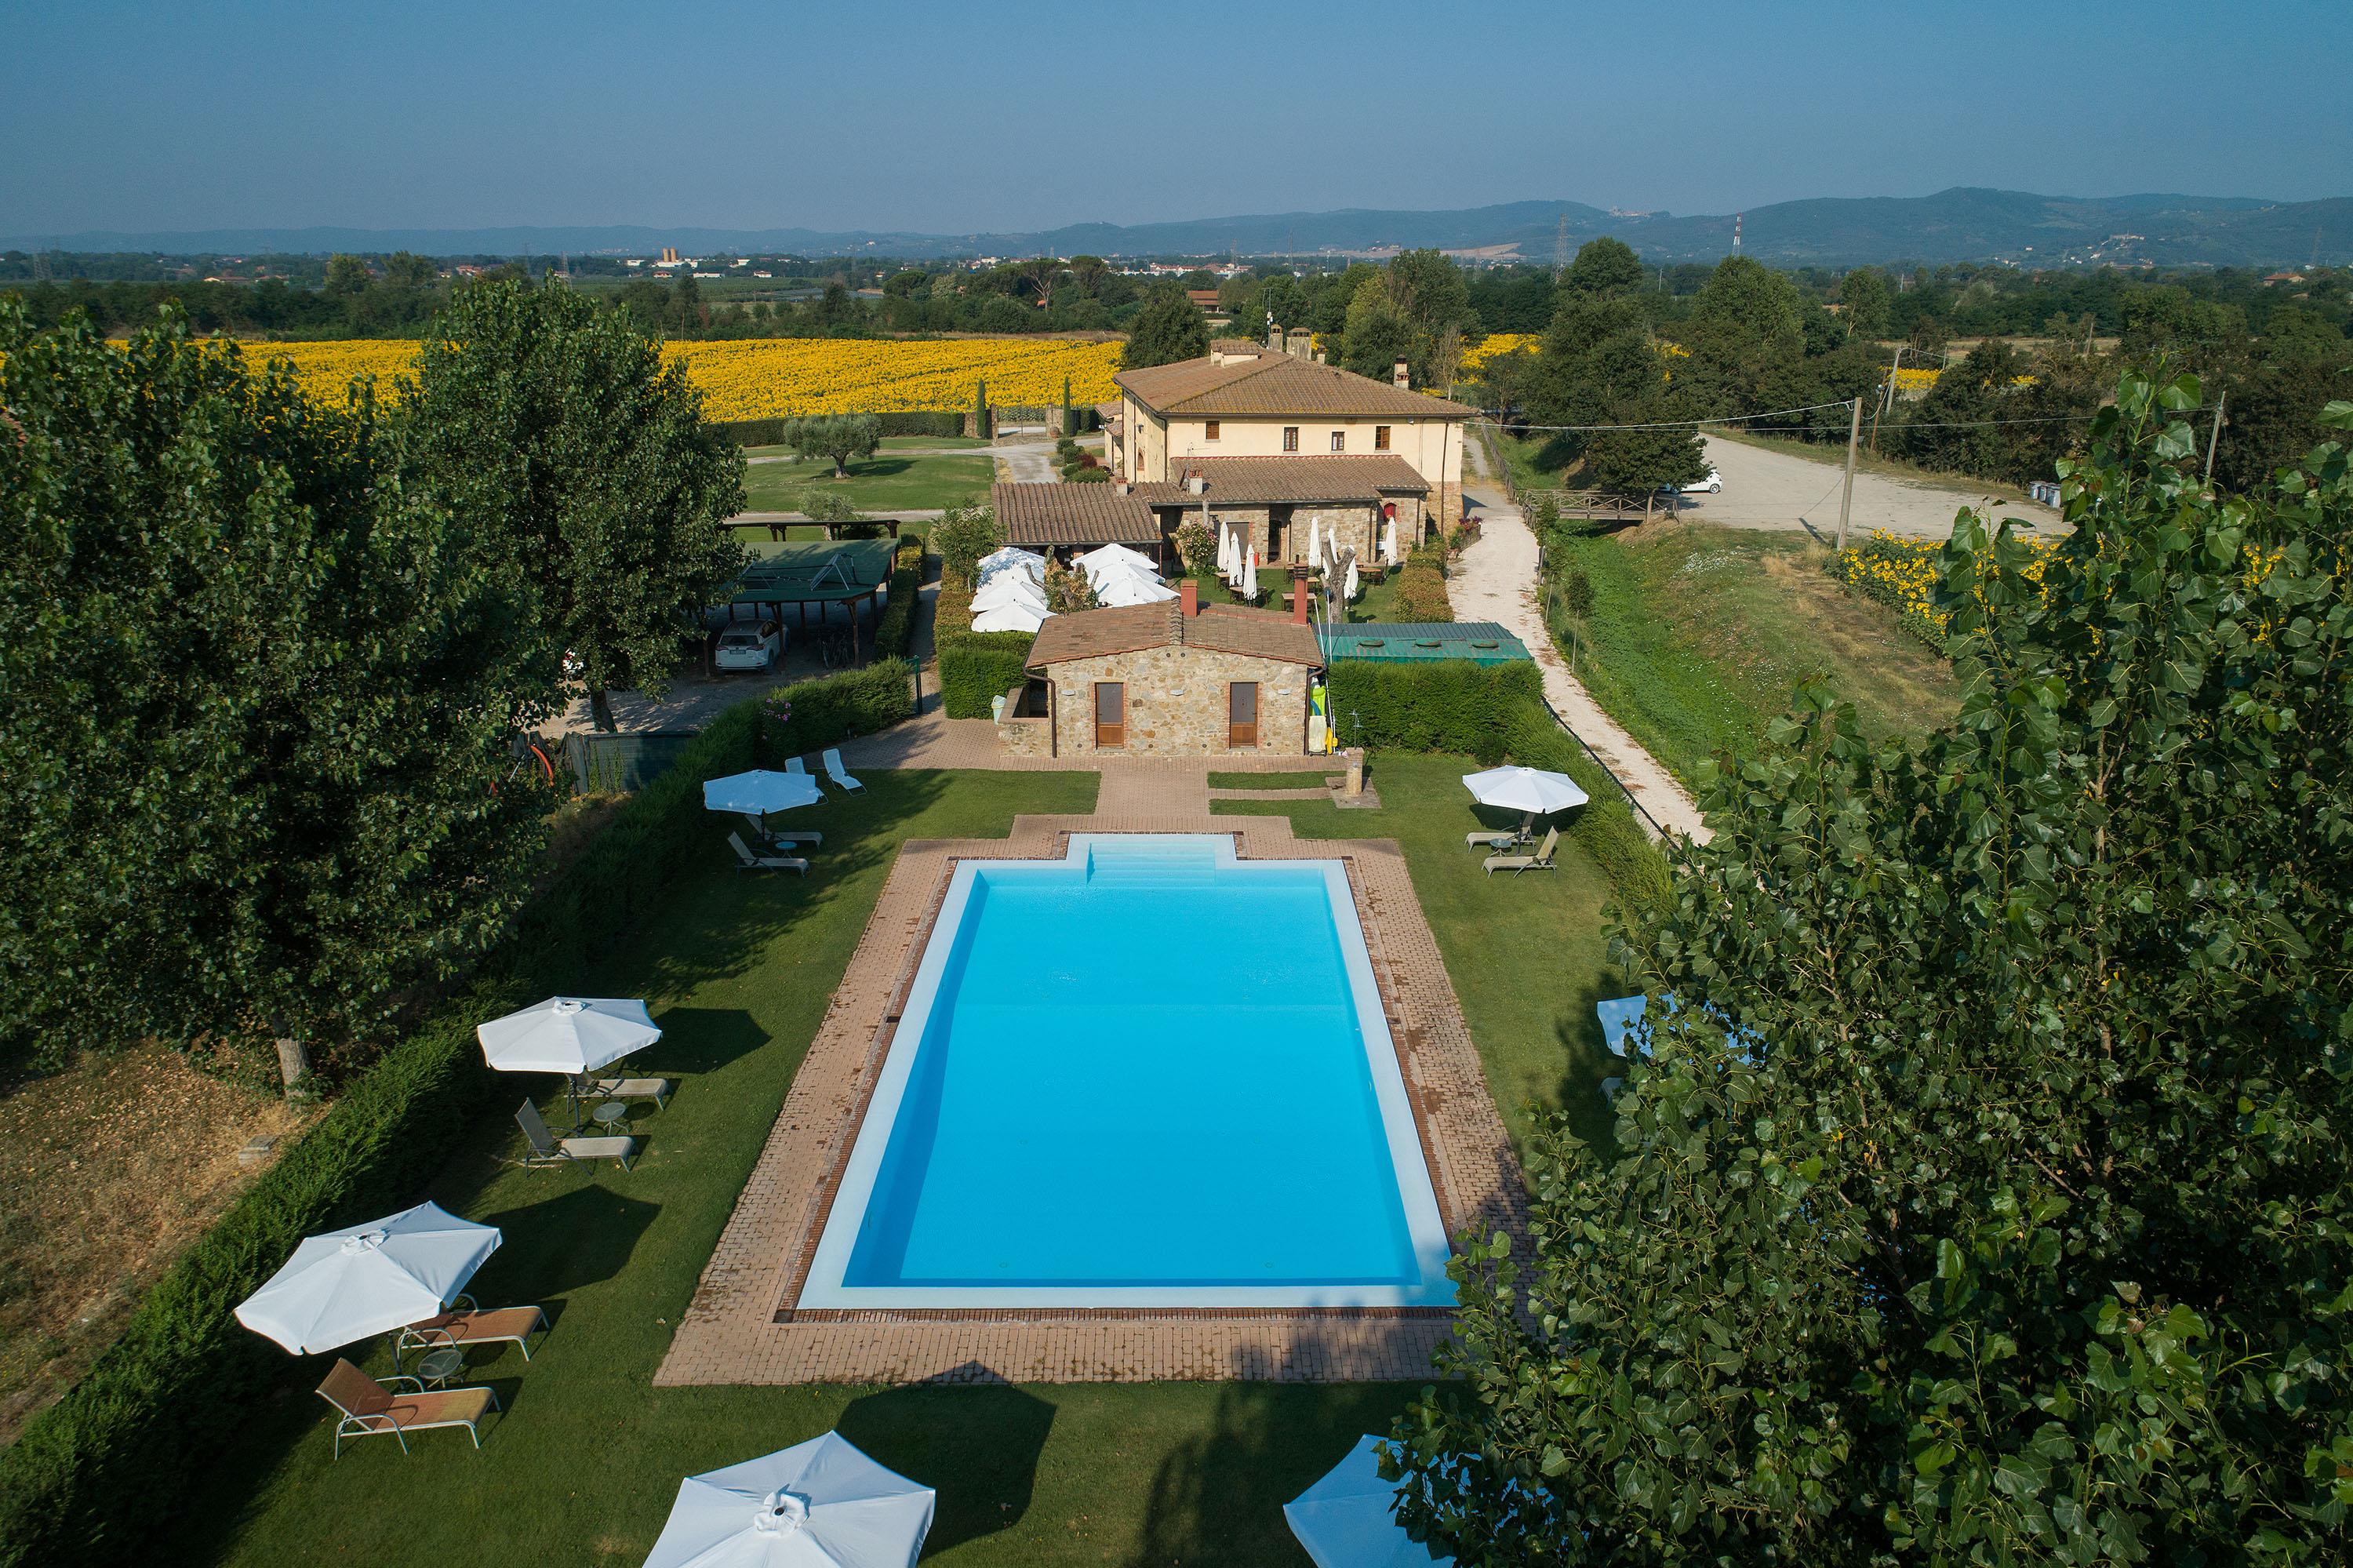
x,y
554,429
1983,1198
840,437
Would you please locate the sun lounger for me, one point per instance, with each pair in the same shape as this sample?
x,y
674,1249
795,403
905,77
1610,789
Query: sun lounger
x,y
371,1409
655,1089
1516,864
546,1149
746,861
770,836
1486,838
795,765
833,770
471,1326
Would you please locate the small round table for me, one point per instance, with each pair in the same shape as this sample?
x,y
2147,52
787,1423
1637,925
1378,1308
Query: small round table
x,y
611,1113
436,1368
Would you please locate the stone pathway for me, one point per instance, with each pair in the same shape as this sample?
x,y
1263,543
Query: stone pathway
x,y
1496,580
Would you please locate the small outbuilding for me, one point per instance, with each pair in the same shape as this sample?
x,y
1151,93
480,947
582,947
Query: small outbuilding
x,y
1175,678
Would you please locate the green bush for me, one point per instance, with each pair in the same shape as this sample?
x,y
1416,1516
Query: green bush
x,y
951,611
975,666
89,1475
1422,588
1606,828
894,628
1446,706
1096,475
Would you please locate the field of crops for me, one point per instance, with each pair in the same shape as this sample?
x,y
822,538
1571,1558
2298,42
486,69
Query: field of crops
x,y
761,377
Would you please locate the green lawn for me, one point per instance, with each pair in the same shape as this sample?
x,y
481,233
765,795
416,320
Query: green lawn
x,y
1373,603
1699,635
1307,780
890,444
1526,953
1526,457
581,1468
888,482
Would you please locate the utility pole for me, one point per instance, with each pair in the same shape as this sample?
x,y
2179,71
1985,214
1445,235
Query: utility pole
x,y
1886,395
2214,437
1846,496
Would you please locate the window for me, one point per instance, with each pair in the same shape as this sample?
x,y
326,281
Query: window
x,y
1339,440
1380,437
1241,713
1209,430
1110,714
1291,437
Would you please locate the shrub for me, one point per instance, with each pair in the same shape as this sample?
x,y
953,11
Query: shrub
x,y
951,611
1422,588
894,628
961,537
1196,544
975,666
1097,475
77,1486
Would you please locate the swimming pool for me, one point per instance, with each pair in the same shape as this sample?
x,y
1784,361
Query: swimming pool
x,y
1148,1075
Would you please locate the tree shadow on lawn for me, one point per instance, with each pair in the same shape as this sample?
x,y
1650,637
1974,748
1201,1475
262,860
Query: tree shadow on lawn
x,y
978,1442
1588,1062
558,1244
1218,1498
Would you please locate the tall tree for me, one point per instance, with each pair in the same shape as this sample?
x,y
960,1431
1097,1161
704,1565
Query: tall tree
x,y
1983,1199
259,700
347,275
1604,266
1866,297
838,437
1168,328
555,428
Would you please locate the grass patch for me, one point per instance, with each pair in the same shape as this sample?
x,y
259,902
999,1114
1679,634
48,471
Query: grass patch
x,y
1269,780
1698,636
1526,953
890,444
582,1468
1535,463
887,482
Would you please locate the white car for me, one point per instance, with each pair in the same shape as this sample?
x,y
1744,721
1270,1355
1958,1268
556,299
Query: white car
x,y
749,646
1712,485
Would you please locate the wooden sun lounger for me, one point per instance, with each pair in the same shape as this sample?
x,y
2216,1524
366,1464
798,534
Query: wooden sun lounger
x,y
1516,864
371,1409
471,1326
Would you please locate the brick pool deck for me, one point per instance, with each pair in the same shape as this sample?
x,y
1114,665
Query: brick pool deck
x,y
740,1327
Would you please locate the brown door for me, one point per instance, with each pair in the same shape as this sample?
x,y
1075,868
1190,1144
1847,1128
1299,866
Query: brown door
x,y
1241,713
1110,714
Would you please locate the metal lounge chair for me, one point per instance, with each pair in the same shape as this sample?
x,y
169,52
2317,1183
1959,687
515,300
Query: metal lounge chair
x,y
546,1149
770,837
1489,839
746,861
470,1325
795,765
835,771
371,1409
585,1087
1516,864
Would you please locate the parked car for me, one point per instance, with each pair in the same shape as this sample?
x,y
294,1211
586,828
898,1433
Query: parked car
x,y
1712,485
749,646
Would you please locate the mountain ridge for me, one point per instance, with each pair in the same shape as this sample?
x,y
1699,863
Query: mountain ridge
x,y
1959,224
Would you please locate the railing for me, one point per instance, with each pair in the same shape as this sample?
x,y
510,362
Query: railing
x,y
609,764
1651,825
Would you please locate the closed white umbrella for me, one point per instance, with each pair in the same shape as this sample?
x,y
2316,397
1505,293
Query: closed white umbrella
x,y
1249,573
1348,590
1389,541
1014,615
567,1034
760,791
1226,553
1348,1519
818,1504
370,1279
1315,544
1126,587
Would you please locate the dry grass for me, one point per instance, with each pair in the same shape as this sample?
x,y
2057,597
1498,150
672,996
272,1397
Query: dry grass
x,y
111,1168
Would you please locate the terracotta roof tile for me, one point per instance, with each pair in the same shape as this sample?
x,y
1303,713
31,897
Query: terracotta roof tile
x,y
1131,629
1248,480
1072,515
1275,383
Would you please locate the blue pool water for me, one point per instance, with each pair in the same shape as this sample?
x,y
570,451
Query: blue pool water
x,y
1149,1073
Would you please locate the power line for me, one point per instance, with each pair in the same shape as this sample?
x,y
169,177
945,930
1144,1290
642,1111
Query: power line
x,y
1673,424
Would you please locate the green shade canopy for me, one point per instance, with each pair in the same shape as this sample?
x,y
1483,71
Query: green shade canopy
x,y
813,573
1423,642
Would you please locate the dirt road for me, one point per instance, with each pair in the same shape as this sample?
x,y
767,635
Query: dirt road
x,y
1766,489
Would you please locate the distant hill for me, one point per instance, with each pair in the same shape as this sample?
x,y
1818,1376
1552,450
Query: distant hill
x,y
1963,224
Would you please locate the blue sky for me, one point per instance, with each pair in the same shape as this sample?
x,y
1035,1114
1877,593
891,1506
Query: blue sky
x,y
118,114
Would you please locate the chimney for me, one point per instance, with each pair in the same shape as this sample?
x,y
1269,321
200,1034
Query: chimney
x,y
1299,600
1188,598
1123,488
1198,484
1397,376
1274,337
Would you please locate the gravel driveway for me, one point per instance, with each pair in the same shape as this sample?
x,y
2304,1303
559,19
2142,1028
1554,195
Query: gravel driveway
x,y
1766,489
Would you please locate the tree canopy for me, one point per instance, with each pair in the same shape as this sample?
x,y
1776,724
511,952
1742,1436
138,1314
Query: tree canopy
x,y
1983,1196
840,437
1169,328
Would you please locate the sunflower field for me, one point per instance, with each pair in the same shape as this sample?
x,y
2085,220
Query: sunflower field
x,y
1902,574
755,378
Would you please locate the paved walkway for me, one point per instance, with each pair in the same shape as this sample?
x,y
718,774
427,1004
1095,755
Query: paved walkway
x,y
1496,580
742,1326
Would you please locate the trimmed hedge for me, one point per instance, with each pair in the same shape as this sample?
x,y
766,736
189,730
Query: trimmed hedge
x,y
894,628
951,612
1444,706
91,1475
1422,588
975,666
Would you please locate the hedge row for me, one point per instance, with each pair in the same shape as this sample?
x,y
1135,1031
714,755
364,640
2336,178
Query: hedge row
x,y
91,1475
951,611
1444,706
975,666
770,431
1422,588
1606,829
894,628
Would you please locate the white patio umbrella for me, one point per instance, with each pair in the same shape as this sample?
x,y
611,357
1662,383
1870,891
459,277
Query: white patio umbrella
x,y
1226,553
818,1504
1529,789
1010,559
1348,1519
1010,588
1349,589
1389,541
759,792
1249,575
567,1034
1013,615
370,1279
1315,544
1111,557
1126,587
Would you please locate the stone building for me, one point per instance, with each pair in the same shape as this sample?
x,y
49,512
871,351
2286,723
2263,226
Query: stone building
x,y
1259,433
1176,678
